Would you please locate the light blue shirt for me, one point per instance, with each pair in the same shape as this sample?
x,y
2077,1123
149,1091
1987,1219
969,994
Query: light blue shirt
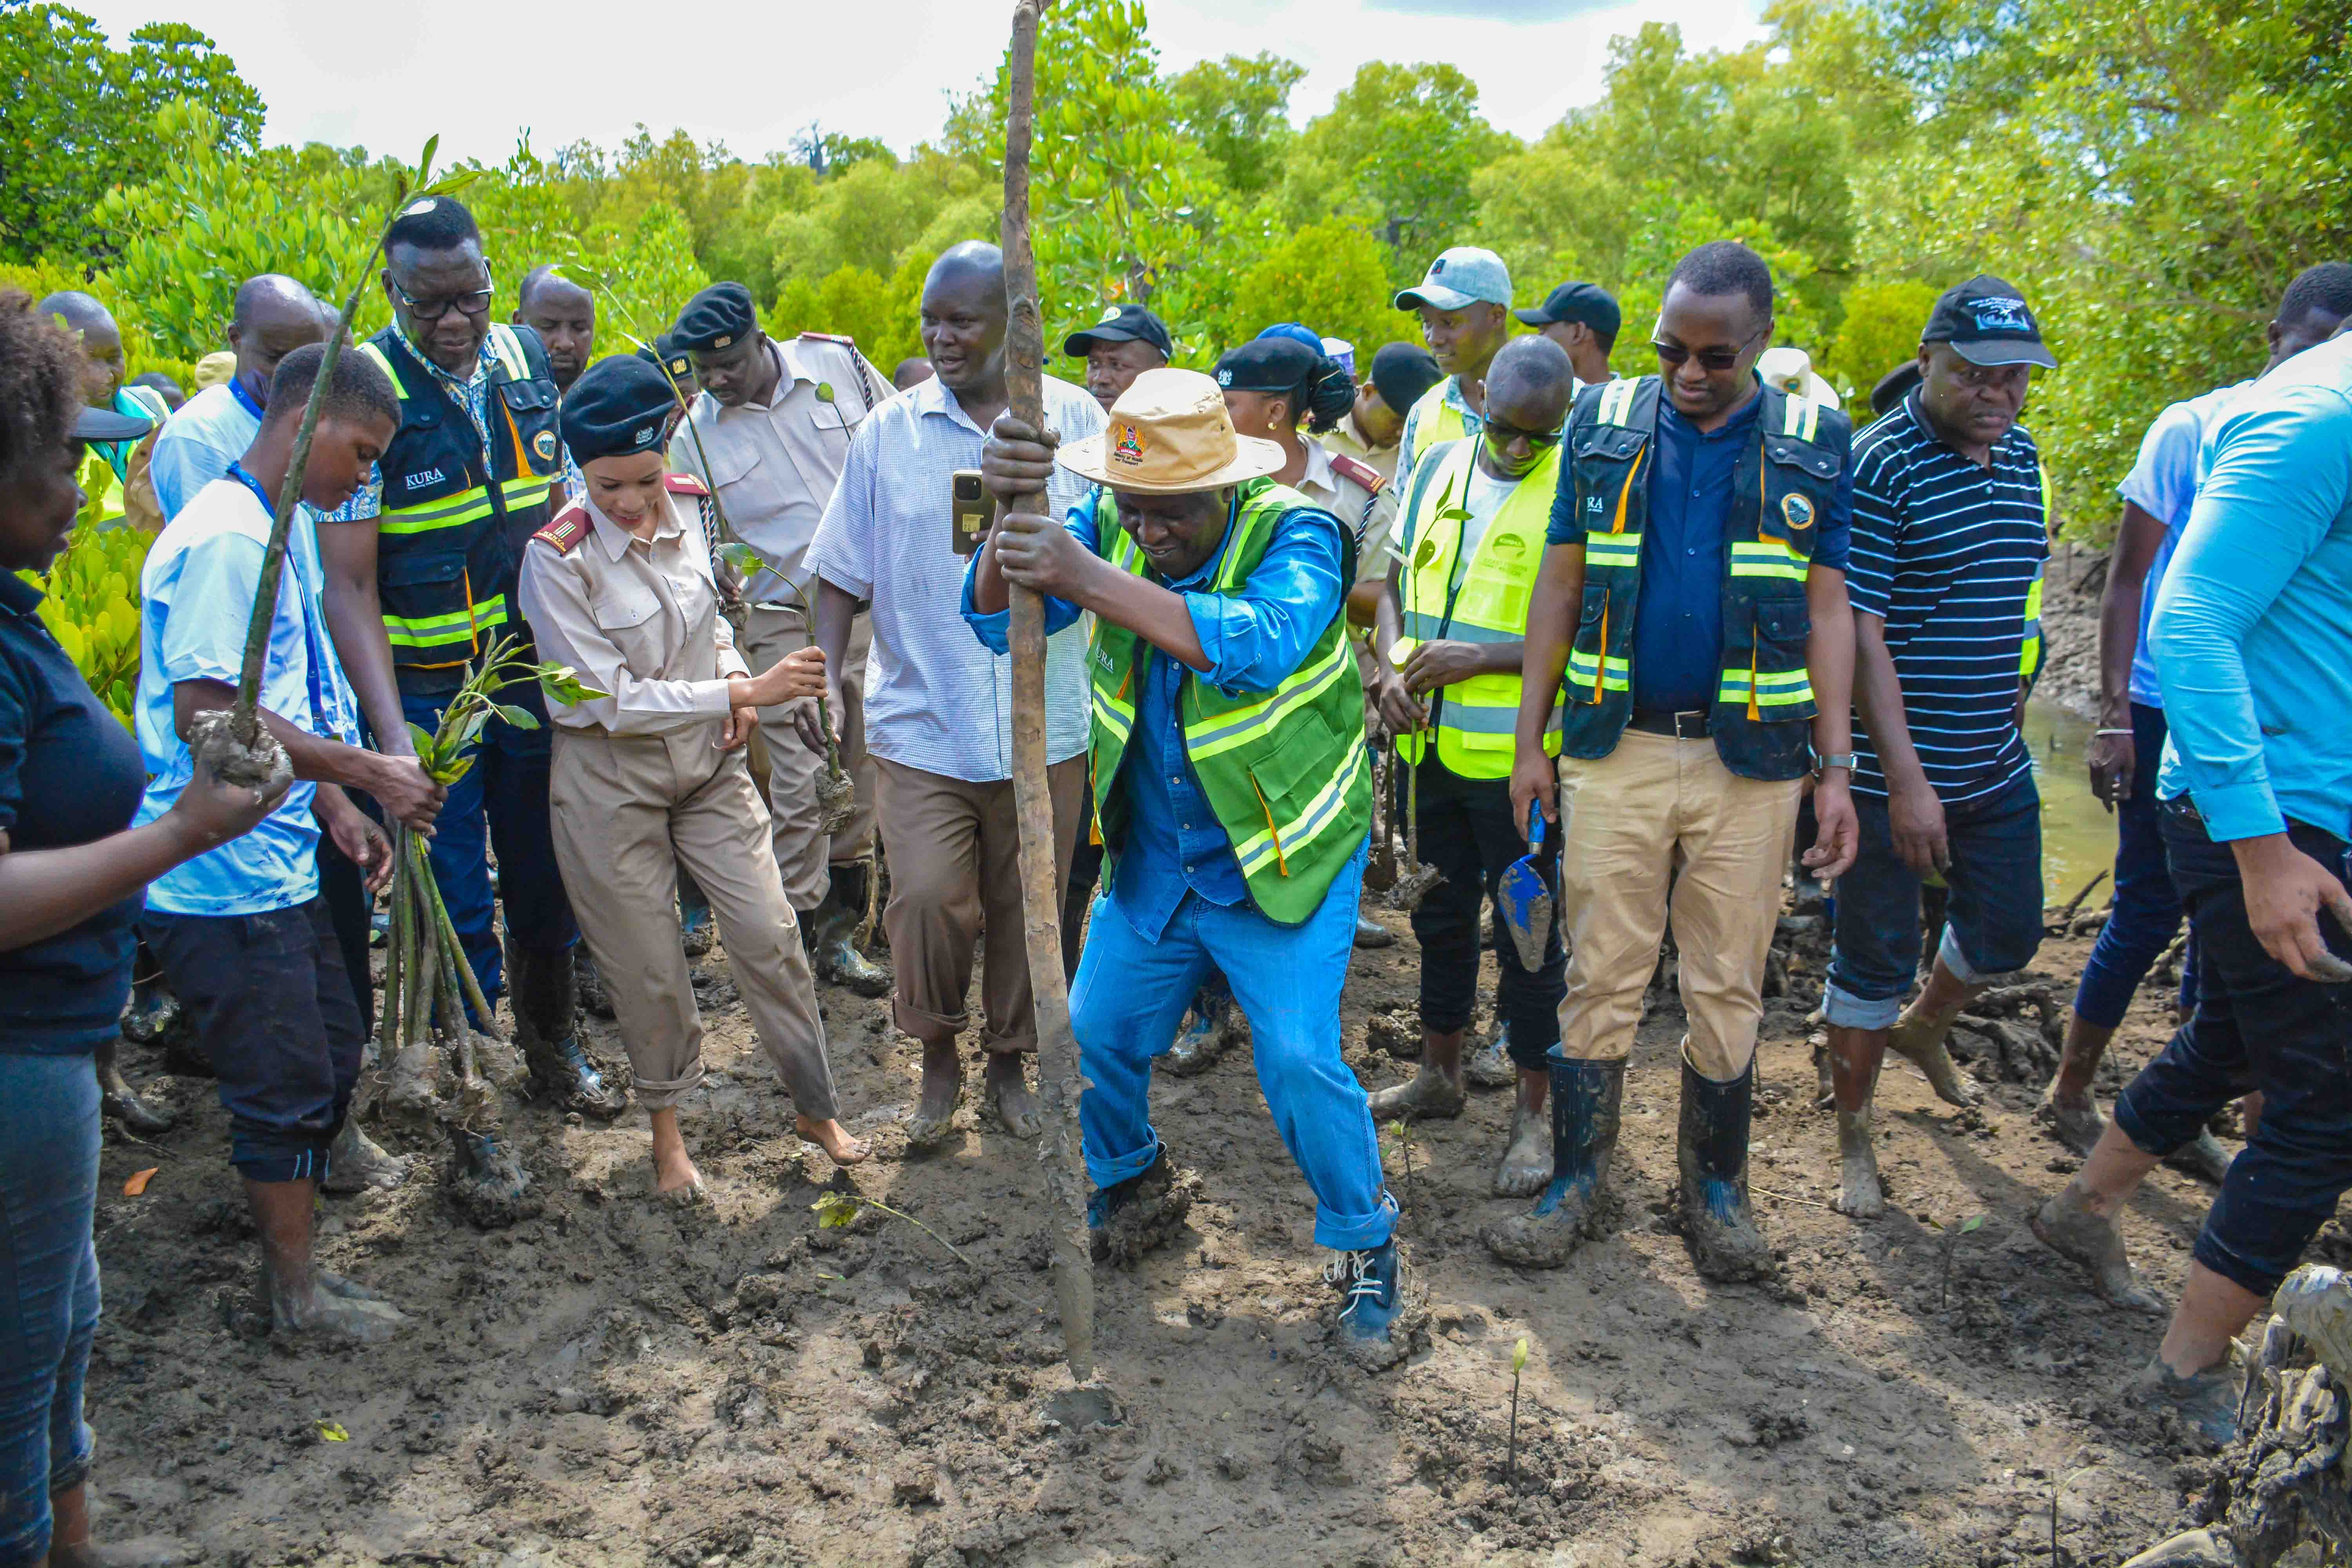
x,y
1253,639
2252,634
198,586
2163,484
211,431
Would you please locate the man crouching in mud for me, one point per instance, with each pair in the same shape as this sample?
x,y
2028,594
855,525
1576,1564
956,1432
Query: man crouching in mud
x,y
1237,840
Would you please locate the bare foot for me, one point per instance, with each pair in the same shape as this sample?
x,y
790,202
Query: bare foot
x,y
675,1173
2068,1227
1008,1096
1825,1082
355,1164
834,1139
942,1092
1920,1042
1526,1169
348,1288
1860,1195
2074,1118
1427,1096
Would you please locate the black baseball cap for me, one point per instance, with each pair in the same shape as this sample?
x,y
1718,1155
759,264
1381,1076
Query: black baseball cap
x,y
1121,324
1587,302
1987,321
1402,372
1268,364
105,425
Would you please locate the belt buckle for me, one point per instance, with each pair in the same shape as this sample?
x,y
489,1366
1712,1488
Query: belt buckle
x,y
1698,730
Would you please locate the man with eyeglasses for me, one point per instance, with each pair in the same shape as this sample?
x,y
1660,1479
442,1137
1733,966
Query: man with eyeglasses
x,y
1692,592
1446,649
423,581
1951,530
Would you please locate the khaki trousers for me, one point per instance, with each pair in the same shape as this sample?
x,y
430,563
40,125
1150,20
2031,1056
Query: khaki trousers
x,y
628,808
802,854
1659,815
954,849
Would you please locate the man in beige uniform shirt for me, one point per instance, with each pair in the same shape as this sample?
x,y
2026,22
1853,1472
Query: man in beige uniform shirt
x,y
651,774
769,435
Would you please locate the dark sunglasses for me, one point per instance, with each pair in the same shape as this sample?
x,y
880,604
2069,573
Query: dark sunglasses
x,y
1503,435
1708,359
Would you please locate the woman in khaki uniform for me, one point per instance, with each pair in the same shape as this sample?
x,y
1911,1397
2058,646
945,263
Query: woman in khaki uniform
x,y
620,586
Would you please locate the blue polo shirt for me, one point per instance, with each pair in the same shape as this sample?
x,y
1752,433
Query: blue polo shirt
x,y
1678,614
210,432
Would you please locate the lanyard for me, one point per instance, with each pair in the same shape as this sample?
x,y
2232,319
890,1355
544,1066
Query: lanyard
x,y
245,399
314,657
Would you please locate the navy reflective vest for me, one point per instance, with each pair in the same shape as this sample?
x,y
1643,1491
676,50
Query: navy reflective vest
x,y
449,535
1784,484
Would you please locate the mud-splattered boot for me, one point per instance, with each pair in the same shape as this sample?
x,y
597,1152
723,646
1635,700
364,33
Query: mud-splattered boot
x,y
544,995
1128,1218
1725,1244
1585,1100
830,933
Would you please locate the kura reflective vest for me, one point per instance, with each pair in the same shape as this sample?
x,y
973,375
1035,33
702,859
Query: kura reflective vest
x,y
1286,771
1783,485
1483,601
450,534
1439,420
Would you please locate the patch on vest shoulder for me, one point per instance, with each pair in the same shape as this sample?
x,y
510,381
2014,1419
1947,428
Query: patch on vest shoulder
x,y
543,446
566,531
1364,474
1103,660
1798,509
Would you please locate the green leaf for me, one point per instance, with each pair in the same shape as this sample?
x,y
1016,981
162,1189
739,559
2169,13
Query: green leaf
x,y
1519,1356
520,718
564,684
426,745
836,1209
1973,1221
454,771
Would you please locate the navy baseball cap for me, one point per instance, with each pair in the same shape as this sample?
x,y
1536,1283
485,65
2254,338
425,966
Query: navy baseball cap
x,y
1587,302
1988,322
1121,324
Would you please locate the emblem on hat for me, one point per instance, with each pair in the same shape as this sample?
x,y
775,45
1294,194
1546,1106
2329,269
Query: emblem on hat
x,y
678,366
1110,313
1437,266
1126,442
544,445
1225,378
1798,509
643,437
1996,313
722,339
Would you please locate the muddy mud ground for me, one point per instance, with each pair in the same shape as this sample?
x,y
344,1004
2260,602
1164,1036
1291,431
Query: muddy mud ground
x,y
616,1382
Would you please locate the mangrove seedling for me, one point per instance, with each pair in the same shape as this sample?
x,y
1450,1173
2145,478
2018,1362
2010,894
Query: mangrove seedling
x,y
1952,1245
1518,1365
837,1209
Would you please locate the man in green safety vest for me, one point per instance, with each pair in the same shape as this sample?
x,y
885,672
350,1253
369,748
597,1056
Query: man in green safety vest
x,y
1235,793
1693,595
1446,641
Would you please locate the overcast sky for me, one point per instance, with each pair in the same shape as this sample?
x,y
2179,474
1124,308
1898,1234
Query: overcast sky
x,y
479,71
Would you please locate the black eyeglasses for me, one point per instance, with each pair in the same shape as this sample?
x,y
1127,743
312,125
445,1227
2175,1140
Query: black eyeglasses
x,y
424,312
1708,359
1503,435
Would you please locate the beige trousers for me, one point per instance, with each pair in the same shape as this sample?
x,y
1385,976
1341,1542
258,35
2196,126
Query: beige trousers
x,y
1658,814
626,809
802,854
954,849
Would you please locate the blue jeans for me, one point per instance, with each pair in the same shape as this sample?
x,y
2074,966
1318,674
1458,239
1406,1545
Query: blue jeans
x,y
1993,924
2257,1026
1130,994
49,1289
2147,913
501,803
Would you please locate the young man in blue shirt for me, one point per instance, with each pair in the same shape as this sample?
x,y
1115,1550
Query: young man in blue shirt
x,y
241,930
2252,639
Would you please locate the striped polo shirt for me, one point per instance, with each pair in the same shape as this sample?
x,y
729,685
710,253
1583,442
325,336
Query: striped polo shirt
x,y
1944,552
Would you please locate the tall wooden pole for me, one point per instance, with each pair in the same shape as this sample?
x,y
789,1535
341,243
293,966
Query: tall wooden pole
x,y
1059,1081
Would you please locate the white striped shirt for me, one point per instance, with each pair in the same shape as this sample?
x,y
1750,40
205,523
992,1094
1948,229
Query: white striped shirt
x,y
935,698
1944,552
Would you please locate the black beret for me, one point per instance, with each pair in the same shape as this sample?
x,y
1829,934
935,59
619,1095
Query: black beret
x,y
1402,372
718,318
619,406
663,352
1268,364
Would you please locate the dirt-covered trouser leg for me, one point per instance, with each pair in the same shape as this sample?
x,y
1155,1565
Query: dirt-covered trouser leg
x,y
2257,1026
1131,993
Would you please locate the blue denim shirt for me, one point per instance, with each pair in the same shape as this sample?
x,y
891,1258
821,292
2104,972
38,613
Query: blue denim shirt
x,y
1254,639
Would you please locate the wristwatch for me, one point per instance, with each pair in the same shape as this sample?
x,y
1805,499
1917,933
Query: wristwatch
x,y
1821,762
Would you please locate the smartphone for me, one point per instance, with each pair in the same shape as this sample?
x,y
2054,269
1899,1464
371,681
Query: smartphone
x,y
970,511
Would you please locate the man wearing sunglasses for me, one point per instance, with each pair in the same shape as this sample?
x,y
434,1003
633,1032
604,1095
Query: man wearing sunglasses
x,y
1693,595
422,580
1446,640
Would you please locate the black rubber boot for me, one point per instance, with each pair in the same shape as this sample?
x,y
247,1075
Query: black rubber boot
x,y
830,933
1585,1098
1724,1241
544,994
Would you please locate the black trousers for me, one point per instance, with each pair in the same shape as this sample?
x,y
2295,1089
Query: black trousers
x,y
1466,832
351,907
2257,1026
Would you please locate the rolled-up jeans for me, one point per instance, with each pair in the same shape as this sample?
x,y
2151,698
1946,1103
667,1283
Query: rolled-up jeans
x,y
49,1289
2146,916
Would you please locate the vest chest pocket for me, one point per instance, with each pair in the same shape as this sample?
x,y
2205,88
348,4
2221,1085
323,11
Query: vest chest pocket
x,y
422,582
531,406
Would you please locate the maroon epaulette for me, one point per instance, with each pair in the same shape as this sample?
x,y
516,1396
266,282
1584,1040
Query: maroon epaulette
x,y
569,527
1362,473
686,485
831,338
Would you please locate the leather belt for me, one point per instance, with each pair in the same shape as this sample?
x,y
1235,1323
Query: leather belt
x,y
1687,725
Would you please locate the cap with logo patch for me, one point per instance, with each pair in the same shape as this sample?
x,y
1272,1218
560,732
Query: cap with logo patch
x,y
1988,322
1460,276
1121,324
